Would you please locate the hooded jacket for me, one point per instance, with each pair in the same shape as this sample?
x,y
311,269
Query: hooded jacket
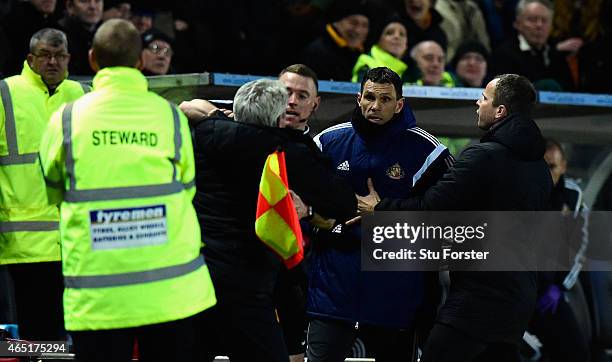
x,y
505,172
400,158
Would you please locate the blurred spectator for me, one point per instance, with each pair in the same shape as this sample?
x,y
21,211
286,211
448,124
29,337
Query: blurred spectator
x,y
470,64
430,60
499,17
391,45
529,53
306,18
245,36
334,53
422,21
80,24
142,18
117,10
579,30
193,43
462,21
470,69
25,19
156,53
554,312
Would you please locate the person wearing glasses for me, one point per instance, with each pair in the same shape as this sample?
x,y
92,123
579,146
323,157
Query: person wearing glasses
x,y
156,53
29,233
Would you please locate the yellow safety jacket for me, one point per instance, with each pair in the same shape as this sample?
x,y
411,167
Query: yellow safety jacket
x,y
29,225
378,58
121,160
446,81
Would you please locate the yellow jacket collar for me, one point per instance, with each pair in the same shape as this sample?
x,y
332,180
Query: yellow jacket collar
x,y
34,77
120,77
388,59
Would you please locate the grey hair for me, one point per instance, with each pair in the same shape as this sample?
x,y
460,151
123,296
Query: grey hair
x,y
522,4
261,102
50,36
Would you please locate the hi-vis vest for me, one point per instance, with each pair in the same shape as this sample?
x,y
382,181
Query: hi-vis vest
x,y
29,225
378,58
446,81
121,160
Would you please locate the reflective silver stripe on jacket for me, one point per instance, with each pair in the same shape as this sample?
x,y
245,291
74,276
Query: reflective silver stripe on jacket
x,y
117,193
13,157
85,87
16,226
122,279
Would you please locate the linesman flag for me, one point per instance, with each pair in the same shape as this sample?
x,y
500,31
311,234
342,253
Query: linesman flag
x,y
276,221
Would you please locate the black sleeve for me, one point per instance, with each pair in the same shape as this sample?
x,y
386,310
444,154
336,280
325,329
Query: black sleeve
x,y
434,173
457,190
318,186
204,130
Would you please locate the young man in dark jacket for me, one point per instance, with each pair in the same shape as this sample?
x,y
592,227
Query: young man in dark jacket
x,y
486,313
382,142
230,157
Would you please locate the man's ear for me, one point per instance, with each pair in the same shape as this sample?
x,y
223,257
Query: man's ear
x,y
501,111
400,105
140,62
30,59
317,102
93,63
359,98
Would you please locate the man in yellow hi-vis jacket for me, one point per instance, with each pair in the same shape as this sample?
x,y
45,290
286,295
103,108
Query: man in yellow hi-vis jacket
x,y
29,225
121,161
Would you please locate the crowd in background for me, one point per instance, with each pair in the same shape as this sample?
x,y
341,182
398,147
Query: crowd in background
x,y
560,45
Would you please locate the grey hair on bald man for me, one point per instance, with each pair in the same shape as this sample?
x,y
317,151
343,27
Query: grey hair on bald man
x,y
261,102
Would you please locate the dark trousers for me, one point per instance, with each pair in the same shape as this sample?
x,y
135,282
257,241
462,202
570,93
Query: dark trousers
x,y
446,344
331,341
244,327
38,296
290,302
561,334
170,341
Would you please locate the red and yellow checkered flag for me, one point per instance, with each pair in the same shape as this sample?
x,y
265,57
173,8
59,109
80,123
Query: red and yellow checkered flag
x,y
276,221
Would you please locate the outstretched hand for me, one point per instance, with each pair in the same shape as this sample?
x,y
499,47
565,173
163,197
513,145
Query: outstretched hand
x,y
365,204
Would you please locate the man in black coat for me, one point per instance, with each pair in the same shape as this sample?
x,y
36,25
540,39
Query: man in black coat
x,y
25,19
230,157
530,53
486,313
80,24
334,54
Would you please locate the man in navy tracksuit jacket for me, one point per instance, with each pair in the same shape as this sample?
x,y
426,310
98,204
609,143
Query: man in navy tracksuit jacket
x,y
380,142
